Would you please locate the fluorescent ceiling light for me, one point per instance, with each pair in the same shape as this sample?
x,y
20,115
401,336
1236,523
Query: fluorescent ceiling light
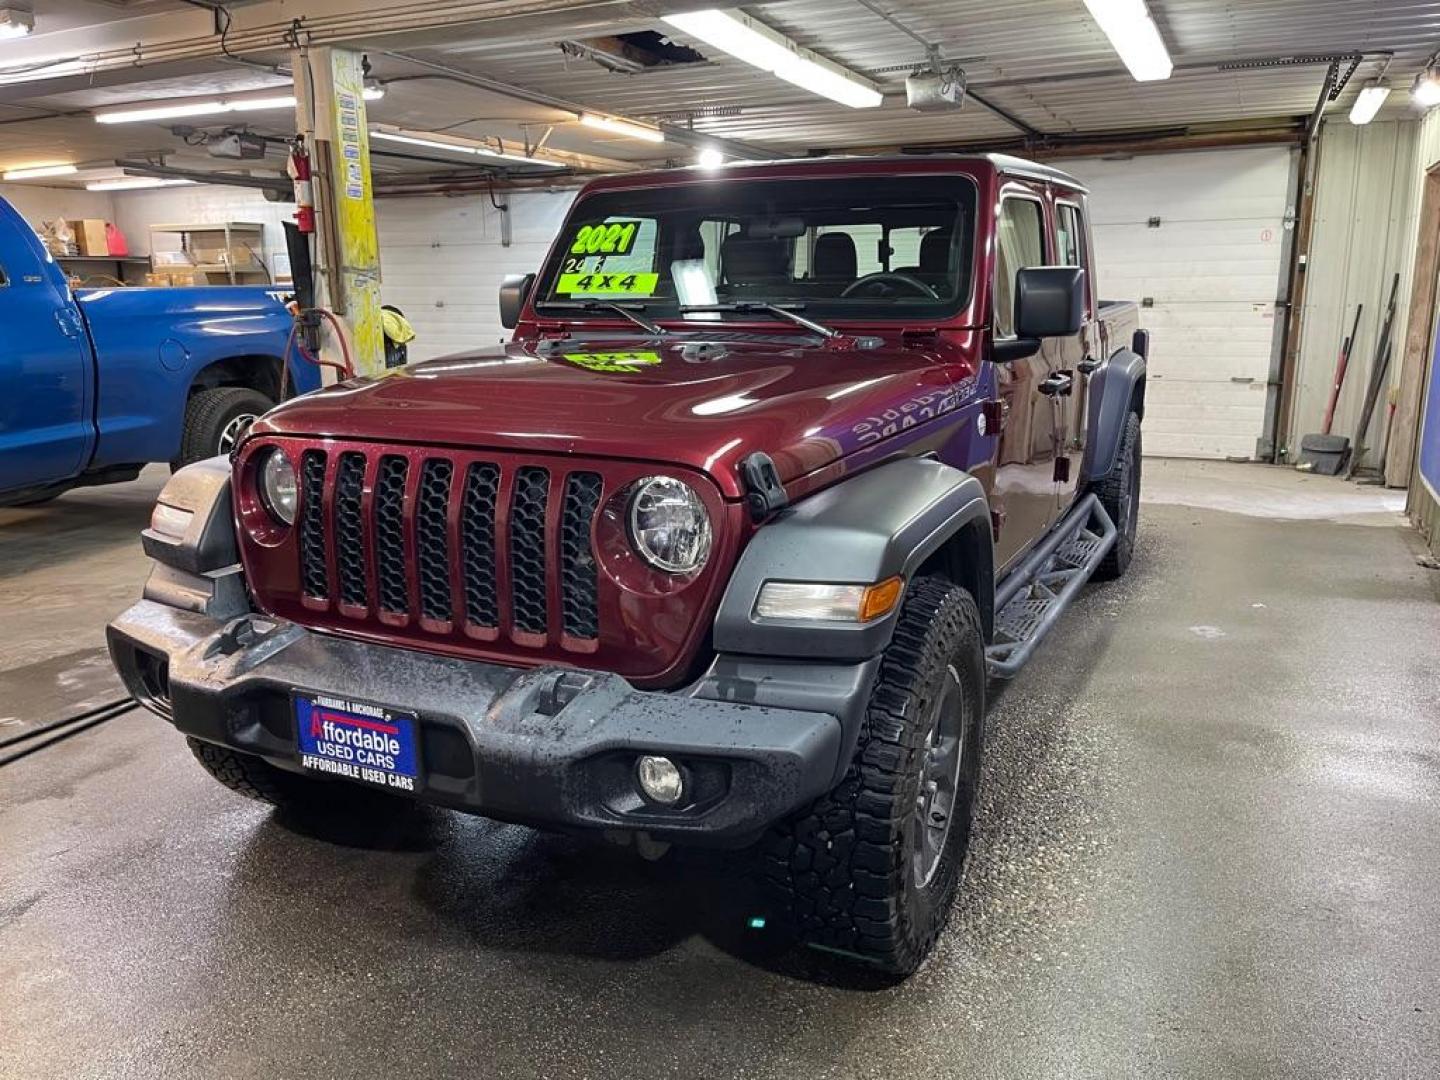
x,y
135,183
137,114
628,128
1426,90
15,22
175,110
752,41
1372,97
456,144
36,172
1134,35
709,158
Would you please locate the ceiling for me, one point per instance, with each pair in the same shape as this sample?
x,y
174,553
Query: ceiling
x,y
1042,62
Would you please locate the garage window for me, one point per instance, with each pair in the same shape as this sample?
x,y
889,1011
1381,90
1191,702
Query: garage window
x,y
1022,243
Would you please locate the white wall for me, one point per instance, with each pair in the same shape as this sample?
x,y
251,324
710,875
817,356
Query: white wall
x,y
202,204
37,204
442,261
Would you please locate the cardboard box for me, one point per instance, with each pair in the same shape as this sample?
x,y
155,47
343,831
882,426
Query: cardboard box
x,y
90,236
174,278
218,255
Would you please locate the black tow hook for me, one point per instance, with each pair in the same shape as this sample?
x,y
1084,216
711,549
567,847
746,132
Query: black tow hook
x,y
559,690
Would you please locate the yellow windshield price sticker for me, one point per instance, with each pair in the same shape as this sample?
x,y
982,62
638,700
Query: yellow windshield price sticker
x,y
601,283
611,238
613,361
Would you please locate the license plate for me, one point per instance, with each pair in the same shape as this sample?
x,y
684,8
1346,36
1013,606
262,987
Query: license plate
x,y
356,741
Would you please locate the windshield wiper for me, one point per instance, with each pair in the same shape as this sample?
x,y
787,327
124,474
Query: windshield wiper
x,y
629,311
780,311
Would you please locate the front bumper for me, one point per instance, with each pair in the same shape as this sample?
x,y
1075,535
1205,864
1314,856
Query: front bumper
x,y
544,746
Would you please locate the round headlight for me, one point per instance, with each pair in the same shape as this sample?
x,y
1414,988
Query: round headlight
x,y
668,525
277,485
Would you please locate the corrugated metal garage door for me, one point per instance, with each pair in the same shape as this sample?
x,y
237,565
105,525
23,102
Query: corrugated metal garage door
x,y
1212,267
442,262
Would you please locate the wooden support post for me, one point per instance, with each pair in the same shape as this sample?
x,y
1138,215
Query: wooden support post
x,y
329,85
1405,425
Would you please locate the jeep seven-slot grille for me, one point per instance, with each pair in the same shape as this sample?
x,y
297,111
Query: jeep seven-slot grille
x,y
390,561
349,536
527,549
437,549
477,544
312,540
577,561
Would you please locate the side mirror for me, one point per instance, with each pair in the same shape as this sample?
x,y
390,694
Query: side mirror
x,y
1049,301
514,291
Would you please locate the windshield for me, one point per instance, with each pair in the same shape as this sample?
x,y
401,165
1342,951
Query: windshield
x,y
872,247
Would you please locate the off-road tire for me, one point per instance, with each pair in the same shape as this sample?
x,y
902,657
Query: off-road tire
x,y
209,414
256,778
1119,493
844,870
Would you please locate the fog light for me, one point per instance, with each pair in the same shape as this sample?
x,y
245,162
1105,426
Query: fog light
x,y
660,779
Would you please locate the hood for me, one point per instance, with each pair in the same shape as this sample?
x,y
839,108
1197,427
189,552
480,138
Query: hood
x,y
706,406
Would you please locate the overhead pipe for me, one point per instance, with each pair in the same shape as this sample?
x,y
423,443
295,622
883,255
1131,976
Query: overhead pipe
x,y
200,176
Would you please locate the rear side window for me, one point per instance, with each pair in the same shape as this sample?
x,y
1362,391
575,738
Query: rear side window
x,y
1021,244
1070,235
1070,238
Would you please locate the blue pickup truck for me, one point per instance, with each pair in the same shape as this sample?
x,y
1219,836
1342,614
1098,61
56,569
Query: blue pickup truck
x,y
97,383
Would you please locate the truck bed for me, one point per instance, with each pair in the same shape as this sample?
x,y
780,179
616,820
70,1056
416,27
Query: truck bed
x,y
1119,319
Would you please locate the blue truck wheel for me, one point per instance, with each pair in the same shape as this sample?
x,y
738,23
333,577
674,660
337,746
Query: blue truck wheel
x,y
215,420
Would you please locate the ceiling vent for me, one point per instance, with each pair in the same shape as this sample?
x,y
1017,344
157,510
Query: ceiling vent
x,y
644,50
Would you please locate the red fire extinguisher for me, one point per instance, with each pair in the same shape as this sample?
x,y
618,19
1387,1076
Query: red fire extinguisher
x,y
299,170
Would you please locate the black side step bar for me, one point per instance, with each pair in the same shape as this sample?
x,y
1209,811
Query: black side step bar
x,y
1034,594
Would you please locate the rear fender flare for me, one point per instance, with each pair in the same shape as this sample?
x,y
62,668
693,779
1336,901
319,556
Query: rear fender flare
x,y
1116,390
892,520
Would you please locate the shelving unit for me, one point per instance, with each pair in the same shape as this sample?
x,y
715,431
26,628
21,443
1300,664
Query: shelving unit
x,y
84,265
226,239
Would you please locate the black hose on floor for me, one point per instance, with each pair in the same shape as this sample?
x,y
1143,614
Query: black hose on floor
x,y
26,736
64,729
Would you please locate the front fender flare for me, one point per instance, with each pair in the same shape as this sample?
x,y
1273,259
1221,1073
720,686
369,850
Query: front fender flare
x,y
886,521
199,570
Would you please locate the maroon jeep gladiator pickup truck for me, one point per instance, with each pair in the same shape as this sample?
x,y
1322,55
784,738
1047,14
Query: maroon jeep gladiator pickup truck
x,y
782,463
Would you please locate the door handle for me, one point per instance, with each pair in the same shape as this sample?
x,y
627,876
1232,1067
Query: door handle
x,y
1088,366
1057,384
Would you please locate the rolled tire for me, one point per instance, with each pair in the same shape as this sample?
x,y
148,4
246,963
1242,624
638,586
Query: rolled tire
x,y
870,870
216,419
1119,493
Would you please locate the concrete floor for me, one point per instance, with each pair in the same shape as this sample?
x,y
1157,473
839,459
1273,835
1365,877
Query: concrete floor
x,y
1207,847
